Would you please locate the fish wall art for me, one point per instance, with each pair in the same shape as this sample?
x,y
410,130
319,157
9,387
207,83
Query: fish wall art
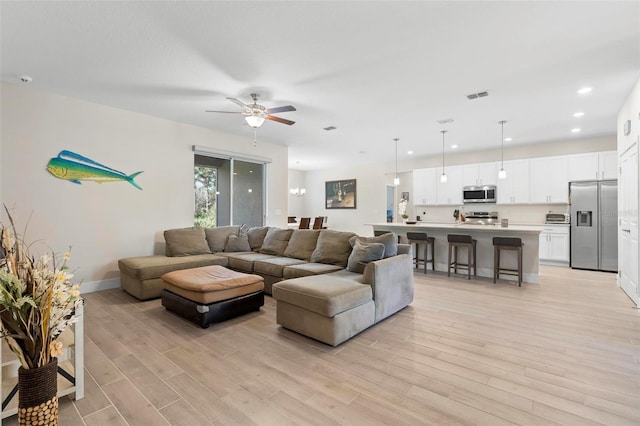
x,y
75,168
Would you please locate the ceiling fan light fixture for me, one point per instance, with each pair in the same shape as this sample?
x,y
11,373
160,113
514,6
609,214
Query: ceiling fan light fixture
x,y
254,121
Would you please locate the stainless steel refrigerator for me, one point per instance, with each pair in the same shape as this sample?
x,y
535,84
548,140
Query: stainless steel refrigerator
x,y
594,225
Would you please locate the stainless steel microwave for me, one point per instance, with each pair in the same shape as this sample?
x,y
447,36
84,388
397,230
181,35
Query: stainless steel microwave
x,y
479,194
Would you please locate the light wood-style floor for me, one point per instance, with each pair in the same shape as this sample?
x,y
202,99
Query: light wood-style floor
x,y
566,351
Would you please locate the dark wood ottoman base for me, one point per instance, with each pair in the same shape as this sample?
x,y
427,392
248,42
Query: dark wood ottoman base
x,y
203,315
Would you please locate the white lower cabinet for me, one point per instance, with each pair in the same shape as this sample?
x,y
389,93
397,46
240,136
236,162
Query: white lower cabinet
x,y
554,245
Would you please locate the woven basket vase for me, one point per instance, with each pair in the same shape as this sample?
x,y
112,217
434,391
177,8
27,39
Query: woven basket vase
x,y
37,395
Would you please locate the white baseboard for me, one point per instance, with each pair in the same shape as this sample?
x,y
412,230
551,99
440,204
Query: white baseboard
x,y
90,287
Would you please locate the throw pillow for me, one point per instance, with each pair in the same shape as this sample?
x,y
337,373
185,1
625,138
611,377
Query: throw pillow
x,y
256,237
217,237
364,253
237,243
389,240
333,248
302,243
275,242
185,242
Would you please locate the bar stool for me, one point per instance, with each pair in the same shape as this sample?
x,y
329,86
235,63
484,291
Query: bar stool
x,y
378,233
463,241
507,243
419,238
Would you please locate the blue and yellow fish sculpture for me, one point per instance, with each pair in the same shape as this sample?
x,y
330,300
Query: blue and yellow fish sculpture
x,y
75,167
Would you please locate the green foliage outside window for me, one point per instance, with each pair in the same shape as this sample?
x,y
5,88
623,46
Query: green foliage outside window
x,y
205,185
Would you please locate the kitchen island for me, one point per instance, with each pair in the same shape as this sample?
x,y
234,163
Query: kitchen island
x,y
529,234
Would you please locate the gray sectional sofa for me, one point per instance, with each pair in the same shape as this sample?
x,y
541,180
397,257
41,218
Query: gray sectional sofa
x,y
329,285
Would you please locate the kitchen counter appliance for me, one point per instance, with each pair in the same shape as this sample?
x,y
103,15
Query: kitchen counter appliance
x,y
556,218
594,225
479,194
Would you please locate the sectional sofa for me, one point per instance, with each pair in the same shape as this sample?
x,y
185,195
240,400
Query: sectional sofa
x,y
329,285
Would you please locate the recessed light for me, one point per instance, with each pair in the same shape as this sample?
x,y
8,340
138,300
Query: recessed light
x,y
584,90
578,114
25,79
410,152
508,139
576,130
454,146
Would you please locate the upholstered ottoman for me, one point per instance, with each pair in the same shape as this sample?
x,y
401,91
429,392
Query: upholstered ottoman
x,y
211,293
328,308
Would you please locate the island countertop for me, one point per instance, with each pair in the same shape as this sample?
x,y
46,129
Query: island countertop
x,y
463,227
529,234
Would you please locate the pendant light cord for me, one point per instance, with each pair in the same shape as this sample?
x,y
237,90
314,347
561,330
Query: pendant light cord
x,y
443,132
396,141
502,150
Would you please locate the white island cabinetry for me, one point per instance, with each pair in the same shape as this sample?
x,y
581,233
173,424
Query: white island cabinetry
x,y
484,235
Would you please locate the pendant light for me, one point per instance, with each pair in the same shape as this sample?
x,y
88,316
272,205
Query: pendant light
x,y
502,174
443,176
396,180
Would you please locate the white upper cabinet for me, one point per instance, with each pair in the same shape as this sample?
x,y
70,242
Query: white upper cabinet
x,y
479,174
424,187
608,165
583,166
450,192
549,181
515,188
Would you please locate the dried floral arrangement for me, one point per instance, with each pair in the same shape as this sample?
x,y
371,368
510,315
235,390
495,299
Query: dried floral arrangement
x,y
37,299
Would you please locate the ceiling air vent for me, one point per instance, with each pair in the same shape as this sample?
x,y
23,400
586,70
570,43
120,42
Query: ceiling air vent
x,y
478,95
330,128
445,121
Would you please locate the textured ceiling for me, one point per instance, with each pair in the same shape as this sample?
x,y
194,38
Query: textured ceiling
x,y
375,70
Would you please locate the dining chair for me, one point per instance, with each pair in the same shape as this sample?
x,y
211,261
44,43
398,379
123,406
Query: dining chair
x,y
304,223
317,222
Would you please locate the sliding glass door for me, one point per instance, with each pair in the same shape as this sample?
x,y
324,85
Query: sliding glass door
x,y
228,191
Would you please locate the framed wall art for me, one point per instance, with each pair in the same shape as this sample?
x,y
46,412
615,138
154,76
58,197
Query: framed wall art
x,y
340,194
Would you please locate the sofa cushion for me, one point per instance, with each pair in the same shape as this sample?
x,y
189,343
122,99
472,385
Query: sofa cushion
x,y
363,253
237,243
244,261
217,237
275,242
389,240
323,294
149,267
308,269
186,242
275,266
256,236
302,243
332,248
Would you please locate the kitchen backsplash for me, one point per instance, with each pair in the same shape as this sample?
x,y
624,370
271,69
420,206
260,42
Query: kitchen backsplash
x,y
517,214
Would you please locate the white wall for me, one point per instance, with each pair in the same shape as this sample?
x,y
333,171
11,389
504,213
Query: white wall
x,y
296,203
370,198
105,222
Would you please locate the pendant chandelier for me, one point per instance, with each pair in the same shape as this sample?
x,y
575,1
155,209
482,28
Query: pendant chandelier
x,y
443,176
502,174
396,180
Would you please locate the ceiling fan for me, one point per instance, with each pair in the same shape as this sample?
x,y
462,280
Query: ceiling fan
x,y
255,114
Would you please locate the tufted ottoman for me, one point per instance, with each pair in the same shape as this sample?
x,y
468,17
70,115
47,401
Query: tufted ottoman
x,y
211,293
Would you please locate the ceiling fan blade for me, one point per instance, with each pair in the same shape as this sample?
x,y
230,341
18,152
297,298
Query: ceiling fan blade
x,y
227,112
239,102
280,109
279,120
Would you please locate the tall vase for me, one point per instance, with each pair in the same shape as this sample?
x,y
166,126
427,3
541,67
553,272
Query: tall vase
x,y
37,395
